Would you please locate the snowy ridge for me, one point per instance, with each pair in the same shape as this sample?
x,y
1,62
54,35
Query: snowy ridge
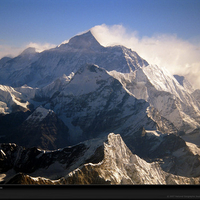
x,y
30,51
98,161
27,92
163,92
13,69
89,76
162,79
94,102
133,59
56,86
9,98
38,115
193,148
49,164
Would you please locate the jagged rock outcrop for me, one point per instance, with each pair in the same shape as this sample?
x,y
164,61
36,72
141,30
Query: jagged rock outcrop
x,y
120,166
52,165
93,162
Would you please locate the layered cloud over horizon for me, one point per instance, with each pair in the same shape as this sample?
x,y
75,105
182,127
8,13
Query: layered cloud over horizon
x,y
178,56
12,51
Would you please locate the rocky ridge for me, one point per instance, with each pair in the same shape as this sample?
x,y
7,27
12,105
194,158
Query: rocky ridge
x,y
114,164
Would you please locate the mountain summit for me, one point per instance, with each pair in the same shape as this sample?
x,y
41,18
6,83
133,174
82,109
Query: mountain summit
x,y
29,50
84,41
43,69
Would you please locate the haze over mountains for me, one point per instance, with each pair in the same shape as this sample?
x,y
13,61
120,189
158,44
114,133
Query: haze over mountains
x,y
82,113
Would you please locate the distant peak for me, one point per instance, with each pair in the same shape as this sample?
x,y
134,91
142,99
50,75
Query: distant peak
x,y
29,50
84,41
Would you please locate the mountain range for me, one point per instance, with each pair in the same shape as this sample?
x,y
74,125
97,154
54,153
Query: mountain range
x,y
82,113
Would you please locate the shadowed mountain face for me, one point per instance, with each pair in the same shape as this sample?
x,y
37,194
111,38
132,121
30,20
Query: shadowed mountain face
x,y
42,129
82,113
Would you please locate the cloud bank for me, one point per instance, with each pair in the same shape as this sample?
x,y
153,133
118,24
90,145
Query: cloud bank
x,y
168,51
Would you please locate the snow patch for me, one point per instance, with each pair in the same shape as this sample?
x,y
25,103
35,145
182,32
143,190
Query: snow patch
x,y
9,97
153,133
3,152
193,148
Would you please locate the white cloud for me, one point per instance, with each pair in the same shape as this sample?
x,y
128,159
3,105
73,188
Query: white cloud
x,y
6,50
178,56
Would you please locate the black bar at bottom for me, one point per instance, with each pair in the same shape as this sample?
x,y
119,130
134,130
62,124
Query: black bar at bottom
x,y
99,192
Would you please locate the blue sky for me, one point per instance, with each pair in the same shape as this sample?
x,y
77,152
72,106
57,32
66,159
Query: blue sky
x,y
53,21
164,32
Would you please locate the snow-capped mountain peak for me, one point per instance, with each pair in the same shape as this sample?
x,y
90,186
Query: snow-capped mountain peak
x,y
11,100
29,50
83,41
41,69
